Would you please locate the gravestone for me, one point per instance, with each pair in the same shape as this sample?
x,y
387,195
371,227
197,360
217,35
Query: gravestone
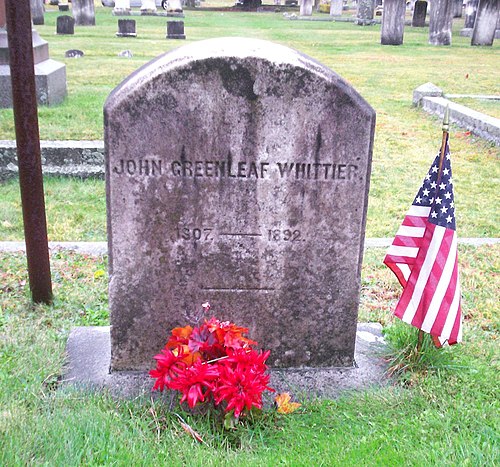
x,y
175,30
336,7
393,22
74,53
250,192
457,8
65,25
63,6
148,7
306,7
440,22
365,12
122,8
175,6
37,11
419,13
126,28
84,12
486,22
470,13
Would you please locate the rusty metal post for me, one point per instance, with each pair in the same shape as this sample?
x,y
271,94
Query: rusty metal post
x,y
22,71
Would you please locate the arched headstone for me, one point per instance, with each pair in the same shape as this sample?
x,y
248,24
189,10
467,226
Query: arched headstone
x,y
238,173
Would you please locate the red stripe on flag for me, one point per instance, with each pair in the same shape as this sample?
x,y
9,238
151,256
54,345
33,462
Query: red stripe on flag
x,y
414,221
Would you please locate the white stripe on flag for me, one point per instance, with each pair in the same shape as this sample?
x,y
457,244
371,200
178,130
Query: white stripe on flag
x,y
421,211
442,287
405,270
452,315
408,231
410,251
424,273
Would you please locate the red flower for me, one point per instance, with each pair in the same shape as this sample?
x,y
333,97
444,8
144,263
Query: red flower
x,y
195,382
242,380
168,366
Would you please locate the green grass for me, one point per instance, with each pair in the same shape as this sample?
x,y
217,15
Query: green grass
x,y
445,412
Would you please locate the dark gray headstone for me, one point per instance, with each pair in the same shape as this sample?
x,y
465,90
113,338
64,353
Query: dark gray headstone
x,y
237,172
37,11
126,28
366,10
63,6
470,13
393,22
486,22
419,13
84,12
440,22
175,30
65,25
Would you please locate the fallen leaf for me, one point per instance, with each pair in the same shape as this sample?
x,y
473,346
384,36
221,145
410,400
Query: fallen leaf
x,y
284,404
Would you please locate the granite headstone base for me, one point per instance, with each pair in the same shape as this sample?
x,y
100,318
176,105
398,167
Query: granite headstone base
x,y
50,80
126,28
89,354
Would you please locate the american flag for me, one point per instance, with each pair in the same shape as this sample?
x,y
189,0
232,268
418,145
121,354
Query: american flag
x,y
423,256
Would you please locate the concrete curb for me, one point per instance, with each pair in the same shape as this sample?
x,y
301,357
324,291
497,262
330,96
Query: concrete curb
x,y
101,248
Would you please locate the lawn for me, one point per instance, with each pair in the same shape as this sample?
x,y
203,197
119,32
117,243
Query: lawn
x,y
446,410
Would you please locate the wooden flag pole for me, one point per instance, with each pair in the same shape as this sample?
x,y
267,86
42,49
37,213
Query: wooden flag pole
x,y
446,129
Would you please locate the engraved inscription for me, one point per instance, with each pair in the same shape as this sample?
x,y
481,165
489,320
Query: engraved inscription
x,y
197,233
228,168
286,235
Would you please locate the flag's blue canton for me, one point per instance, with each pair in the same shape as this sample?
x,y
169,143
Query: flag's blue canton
x,y
438,194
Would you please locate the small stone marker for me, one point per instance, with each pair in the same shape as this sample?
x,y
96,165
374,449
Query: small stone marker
x,y
393,22
74,53
65,25
470,13
126,28
306,7
175,30
63,6
249,191
336,7
457,8
37,11
125,54
419,14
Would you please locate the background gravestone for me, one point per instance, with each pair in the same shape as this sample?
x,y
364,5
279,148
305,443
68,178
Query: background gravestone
x,y
393,22
37,11
65,25
254,199
419,14
365,12
175,30
486,22
126,28
84,12
440,22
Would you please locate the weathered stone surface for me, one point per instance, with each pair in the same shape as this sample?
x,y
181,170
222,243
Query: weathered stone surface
x,y
65,25
486,22
393,22
175,30
237,172
419,14
126,28
122,7
470,13
84,12
37,11
365,12
336,7
306,7
457,8
440,22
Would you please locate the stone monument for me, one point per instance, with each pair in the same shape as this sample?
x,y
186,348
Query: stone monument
x,y
393,22
440,22
237,172
126,28
37,12
306,7
336,7
65,25
486,22
50,75
148,7
419,14
122,8
365,12
175,30
84,12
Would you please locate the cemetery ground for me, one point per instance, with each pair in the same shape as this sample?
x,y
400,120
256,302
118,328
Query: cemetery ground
x,y
444,410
